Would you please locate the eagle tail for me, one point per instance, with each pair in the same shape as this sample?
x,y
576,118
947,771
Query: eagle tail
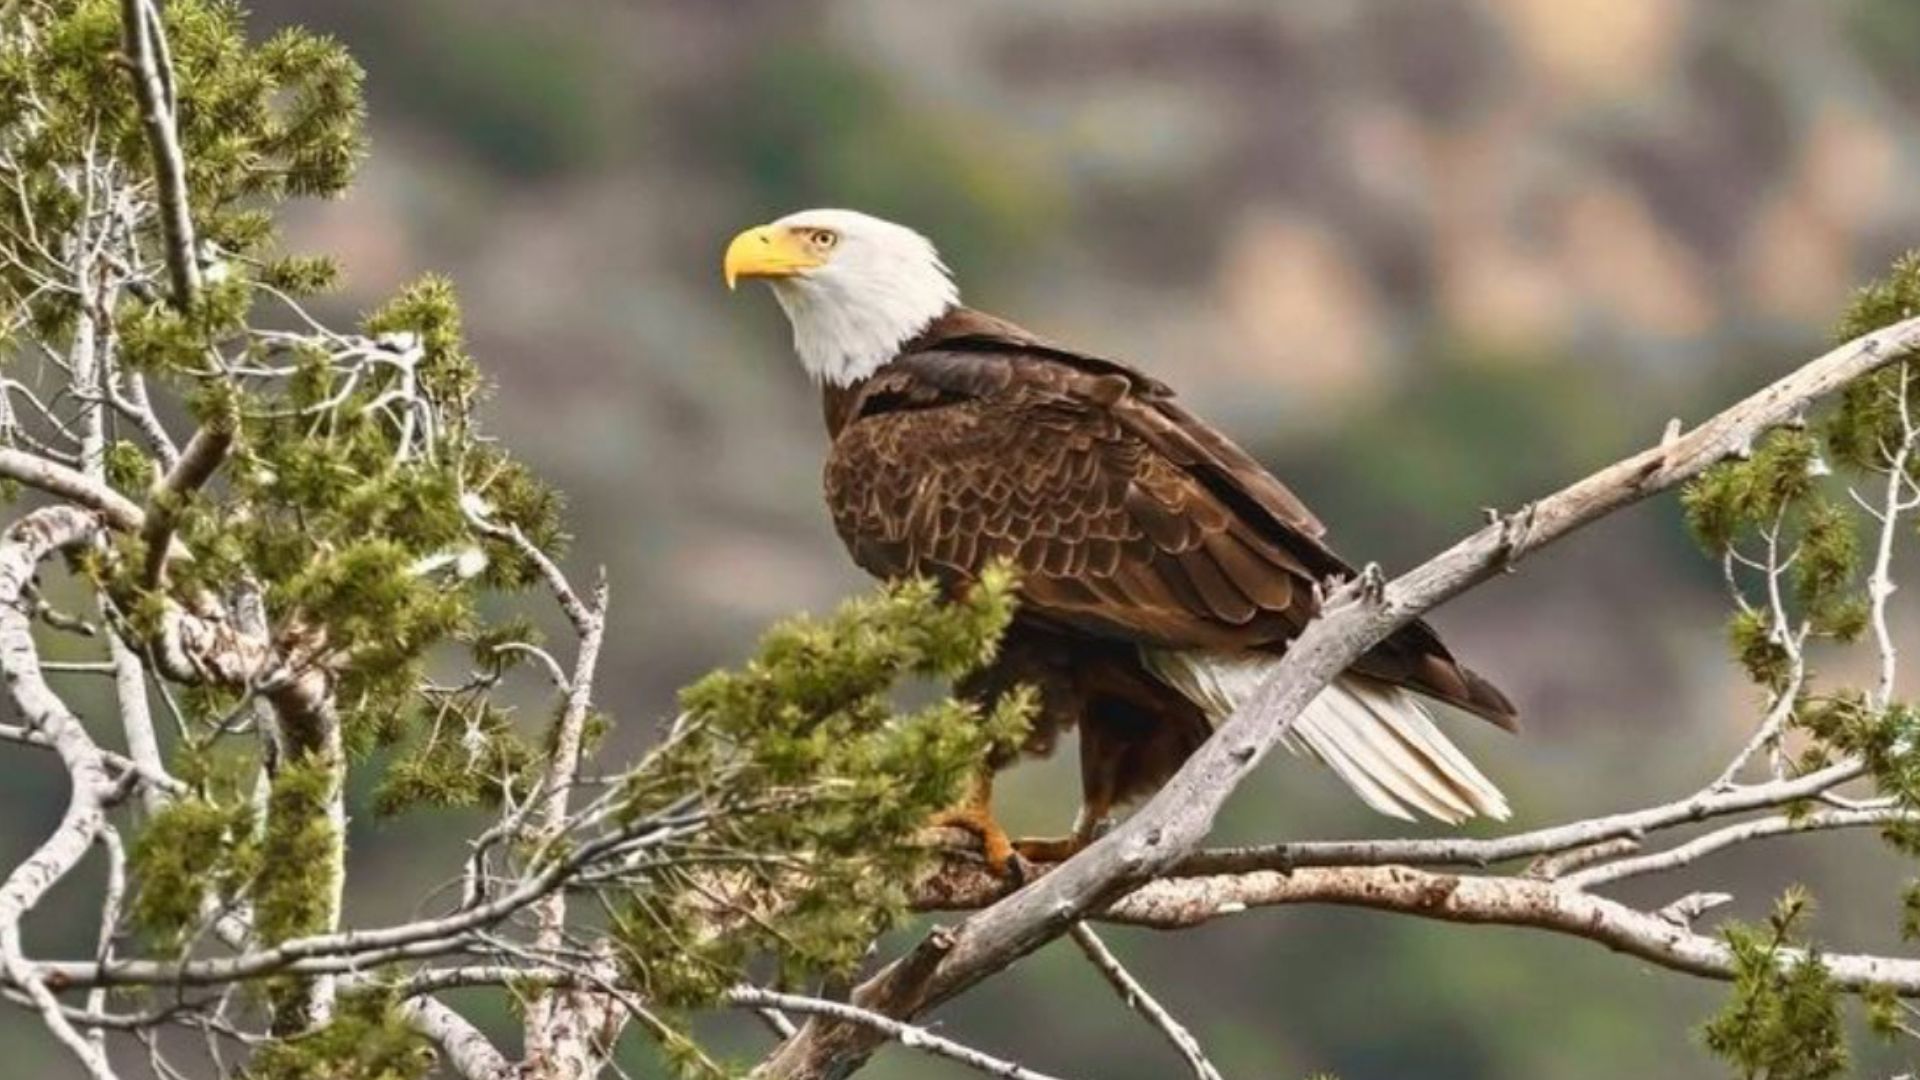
x,y
1378,738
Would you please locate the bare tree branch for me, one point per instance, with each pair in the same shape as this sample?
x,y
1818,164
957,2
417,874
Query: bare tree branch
x,y
22,547
553,1016
356,950
197,463
1173,904
1136,998
1898,497
74,486
886,1028
1357,616
1473,852
129,771
143,40
1721,839
468,1051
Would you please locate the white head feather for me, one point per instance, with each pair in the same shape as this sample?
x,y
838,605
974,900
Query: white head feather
x,y
880,285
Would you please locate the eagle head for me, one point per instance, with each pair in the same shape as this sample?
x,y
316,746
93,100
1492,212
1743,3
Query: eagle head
x,y
853,286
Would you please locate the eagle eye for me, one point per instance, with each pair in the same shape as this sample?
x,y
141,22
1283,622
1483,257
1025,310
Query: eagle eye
x,y
824,239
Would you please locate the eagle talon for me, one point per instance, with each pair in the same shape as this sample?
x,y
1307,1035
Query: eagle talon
x,y
975,815
1052,849
995,849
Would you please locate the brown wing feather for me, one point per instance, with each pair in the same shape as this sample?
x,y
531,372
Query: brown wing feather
x,y
1127,517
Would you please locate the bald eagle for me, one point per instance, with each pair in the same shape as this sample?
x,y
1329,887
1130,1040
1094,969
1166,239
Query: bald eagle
x,y
1162,570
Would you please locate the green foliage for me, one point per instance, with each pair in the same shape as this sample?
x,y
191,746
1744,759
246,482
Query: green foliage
x,y
1888,742
428,310
332,497
1754,492
357,531
298,852
1756,648
1783,1021
367,1039
682,1057
1885,1016
1868,421
156,339
300,865
128,468
1777,508
301,275
340,507
1777,500
1773,501
471,757
1823,571
809,784
257,123
1777,494
193,851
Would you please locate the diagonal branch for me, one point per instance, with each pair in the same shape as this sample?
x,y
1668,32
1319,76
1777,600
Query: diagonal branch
x,y
197,464
143,39
917,1038
1356,618
1136,998
355,950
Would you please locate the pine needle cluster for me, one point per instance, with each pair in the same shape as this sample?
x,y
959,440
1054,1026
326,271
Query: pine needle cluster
x,y
358,515
1783,519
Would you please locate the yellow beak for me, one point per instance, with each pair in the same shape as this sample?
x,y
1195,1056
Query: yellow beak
x,y
767,251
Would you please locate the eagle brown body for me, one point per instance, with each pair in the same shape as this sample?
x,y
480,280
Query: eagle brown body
x,y
1162,571
1130,521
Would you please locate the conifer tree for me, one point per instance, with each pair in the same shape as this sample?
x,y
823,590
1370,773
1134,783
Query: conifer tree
x,y
252,561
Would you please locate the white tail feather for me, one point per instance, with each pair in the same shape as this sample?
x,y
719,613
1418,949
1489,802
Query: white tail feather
x,y
1378,738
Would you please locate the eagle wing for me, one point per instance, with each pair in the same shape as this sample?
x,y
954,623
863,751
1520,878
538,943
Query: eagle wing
x,y
1126,516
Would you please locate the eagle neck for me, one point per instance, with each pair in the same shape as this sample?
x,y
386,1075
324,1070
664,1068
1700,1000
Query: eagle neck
x,y
840,401
847,327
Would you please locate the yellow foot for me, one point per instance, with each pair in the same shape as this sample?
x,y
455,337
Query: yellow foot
x,y
1050,849
995,847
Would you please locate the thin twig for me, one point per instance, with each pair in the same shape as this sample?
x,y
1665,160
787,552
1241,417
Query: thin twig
x,y
1492,851
1692,851
143,38
907,1035
1136,998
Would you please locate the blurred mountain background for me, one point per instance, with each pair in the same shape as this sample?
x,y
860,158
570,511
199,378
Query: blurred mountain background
x,y
1422,258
